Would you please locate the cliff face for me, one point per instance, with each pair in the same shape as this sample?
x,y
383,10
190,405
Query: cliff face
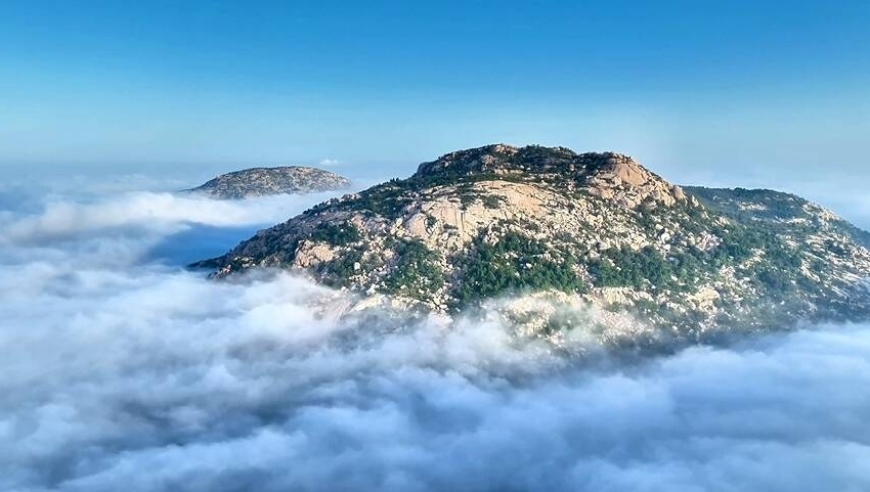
x,y
599,229
263,181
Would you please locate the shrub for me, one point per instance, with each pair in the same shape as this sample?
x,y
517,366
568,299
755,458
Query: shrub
x,y
492,201
417,271
336,234
514,263
624,267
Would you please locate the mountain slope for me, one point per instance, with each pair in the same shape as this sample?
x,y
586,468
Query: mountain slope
x,y
261,181
773,208
595,228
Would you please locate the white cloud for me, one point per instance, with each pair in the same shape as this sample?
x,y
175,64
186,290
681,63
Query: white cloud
x,y
329,162
132,375
164,212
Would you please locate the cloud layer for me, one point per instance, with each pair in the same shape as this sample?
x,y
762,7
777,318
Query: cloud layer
x,y
123,373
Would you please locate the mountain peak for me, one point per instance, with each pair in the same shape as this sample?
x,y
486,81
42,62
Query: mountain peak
x,y
499,159
535,159
597,227
261,181
609,175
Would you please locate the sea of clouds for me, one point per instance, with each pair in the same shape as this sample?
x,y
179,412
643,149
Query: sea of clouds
x,y
120,370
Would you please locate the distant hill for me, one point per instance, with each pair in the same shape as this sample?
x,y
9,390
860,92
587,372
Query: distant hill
x,y
594,229
262,181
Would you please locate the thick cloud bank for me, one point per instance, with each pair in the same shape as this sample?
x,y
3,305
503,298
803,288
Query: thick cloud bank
x,y
122,372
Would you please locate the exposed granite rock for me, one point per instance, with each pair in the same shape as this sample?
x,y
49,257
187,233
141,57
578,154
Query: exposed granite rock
x,y
596,229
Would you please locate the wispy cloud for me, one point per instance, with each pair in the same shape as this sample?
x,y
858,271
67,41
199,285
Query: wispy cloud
x,y
329,162
142,377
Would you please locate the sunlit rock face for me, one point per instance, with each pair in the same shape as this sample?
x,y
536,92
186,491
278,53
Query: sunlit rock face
x,y
591,229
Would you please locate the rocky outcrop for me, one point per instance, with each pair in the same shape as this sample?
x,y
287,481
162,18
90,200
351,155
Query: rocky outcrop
x,y
262,181
596,229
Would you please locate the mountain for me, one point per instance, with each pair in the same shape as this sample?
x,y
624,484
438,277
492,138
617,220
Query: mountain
x,y
261,181
593,229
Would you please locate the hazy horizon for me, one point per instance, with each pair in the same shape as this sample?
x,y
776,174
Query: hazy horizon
x,y
125,369
740,94
696,92
837,190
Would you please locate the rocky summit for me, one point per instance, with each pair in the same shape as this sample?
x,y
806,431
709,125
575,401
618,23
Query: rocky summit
x,y
262,181
536,226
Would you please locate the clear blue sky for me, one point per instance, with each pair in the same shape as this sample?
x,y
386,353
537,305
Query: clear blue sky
x,y
726,92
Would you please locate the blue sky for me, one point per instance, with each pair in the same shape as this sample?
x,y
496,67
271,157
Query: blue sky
x,y
718,92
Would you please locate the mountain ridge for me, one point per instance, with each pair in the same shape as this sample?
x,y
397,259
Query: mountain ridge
x,y
596,228
263,181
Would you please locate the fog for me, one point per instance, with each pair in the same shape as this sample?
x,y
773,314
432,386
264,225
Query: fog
x,y
123,371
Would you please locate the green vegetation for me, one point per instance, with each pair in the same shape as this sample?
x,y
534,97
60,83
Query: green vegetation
x,y
513,263
740,242
341,269
467,199
352,262
417,271
770,209
387,199
336,234
492,201
777,282
766,205
624,267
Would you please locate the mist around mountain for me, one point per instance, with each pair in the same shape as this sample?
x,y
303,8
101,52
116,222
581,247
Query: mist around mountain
x,y
122,370
552,230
